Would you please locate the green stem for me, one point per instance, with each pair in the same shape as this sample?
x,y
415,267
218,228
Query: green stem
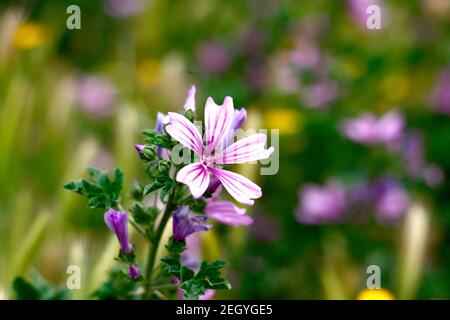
x,y
155,243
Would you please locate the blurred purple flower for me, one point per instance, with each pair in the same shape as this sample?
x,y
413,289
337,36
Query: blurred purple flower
x,y
390,199
358,12
320,94
322,204
213,58
367,129
256,75
440,97
117,222
133,272
96,96
102,159
265,228
433,176
124,8
305,55
413,152
253,43
185,225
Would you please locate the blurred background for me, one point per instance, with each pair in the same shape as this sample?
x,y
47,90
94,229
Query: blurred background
x,y
363,116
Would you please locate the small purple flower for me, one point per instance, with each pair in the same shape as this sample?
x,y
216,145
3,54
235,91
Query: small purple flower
x,y
440,97
185,225
133,272
412,151
213,58
190,100
117,222
139,148
367,129
96,96
124,8
390,199
433,176
322,204
358,12
266,228
217,126
320,94
305,55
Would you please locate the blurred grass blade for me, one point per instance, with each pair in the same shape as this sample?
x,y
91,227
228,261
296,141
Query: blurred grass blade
x,y
412,250
30,245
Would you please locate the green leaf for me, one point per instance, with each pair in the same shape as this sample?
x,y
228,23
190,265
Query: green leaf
x,y
162,140
193,288
167,188
24,290
155,185
102,192
194,285
186,274
162,181
145,216
118,286
37,289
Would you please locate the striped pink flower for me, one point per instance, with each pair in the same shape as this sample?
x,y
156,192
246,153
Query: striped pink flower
x,y
218,122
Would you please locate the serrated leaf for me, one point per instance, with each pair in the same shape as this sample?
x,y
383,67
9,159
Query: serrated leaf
x,y
101,191
162,140
155,185
167,189
193,289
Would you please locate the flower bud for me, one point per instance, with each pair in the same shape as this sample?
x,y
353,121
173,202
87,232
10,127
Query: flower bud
x,y
146,152
133,272
164,166
137,191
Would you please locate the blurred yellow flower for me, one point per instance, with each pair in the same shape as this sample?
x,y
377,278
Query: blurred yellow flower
x,y
395,87
286,120
375,294
149,72
30,35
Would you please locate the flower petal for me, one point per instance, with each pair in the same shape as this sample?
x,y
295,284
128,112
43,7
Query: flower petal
x,y
218,120
249,149
182,130
196,177
227,212
190,100
239,187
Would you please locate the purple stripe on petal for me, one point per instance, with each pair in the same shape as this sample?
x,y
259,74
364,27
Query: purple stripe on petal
x,y
239,187
196,177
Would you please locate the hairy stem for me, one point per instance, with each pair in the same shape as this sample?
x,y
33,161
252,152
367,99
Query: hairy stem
x,y
156,240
